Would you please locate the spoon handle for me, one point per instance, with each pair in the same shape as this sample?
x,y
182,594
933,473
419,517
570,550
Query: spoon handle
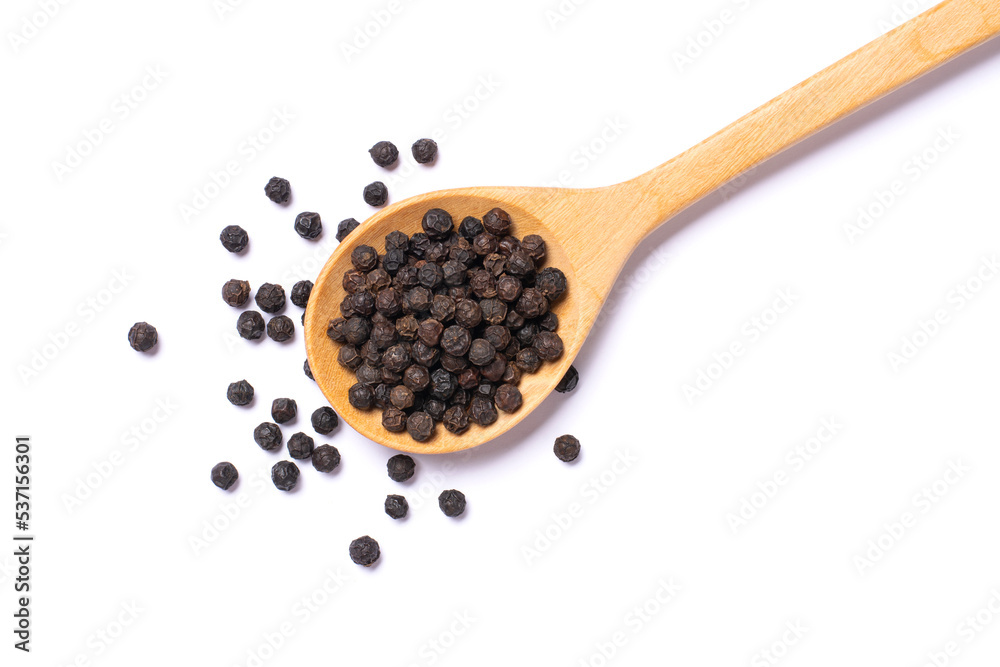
x,y
899,56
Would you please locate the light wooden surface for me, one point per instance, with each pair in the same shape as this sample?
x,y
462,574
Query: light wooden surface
x,y
591,233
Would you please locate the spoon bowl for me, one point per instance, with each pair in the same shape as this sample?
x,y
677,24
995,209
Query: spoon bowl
x,y
591,233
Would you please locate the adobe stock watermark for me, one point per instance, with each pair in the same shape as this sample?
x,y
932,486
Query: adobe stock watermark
x,y
967,631
217,180
31,25
921,504
913,169
436,647
130,441
87,310
589,494
794,462
108,634
365,34
229,511
711,30
927,329
121,109
903,12
779,649
637,619
751,331
560,13
303,610
588,152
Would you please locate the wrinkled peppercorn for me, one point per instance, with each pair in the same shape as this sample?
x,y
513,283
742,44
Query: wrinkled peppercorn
x,y
452,502
270,298
384,153
250,325
364,551
497,222
393,420
325,458
285,475
283,410
345,227
234,238
300,293
278,190
482,411
456,420
280,328
437,223
267,436
224,475
424,150
549,345
142,336
300,446
361,396
324,420
240,393
396,506
508,398
567,448
364,258
569,381
552,282
400,467
308,225
376,194
420,425
236,292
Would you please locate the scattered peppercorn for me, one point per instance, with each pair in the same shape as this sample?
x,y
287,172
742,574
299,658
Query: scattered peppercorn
x,y
569,381
278,190
285,475
376,194
267,436
270,298
384,153
250,325
396,506
308,225
346,227
452,502
325,458
224,475
567,448
364,551
240,393
283,410
307,370
234,238
280,328
324,420
142,336
300,446
400,467
300,293
236,292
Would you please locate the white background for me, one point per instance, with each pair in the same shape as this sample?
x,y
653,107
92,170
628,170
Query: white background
x,y
556,87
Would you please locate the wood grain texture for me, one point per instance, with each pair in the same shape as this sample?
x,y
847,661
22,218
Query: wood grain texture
x,y
591,233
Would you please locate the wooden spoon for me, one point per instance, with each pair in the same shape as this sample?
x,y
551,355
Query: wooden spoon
x,y
591,233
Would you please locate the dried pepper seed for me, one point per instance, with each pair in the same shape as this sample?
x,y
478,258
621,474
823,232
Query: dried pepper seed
x,y
325,458
494,371
345,227
481,352
378,280
364,258
324,420
278,190
300,446
437,223
532,303
240,393
526,335
280,328
435,409
364,551
224,475
308,225
283,410
468,314
482,411
397,241
471,228
393,420
569,381
548,322
376,194
452,502
307,370
508,245
497,222
400,467
382,392
498,336
549,345
300,293
234,238
442,307
356,330
420,425
508,398
534,246
424,150
349,358
236,292
267,436
142,336
396,506
552,282
384,153
401,397
368,374
270,298
567,448
509,288
361,396
485,244
494,310
456,420
285,475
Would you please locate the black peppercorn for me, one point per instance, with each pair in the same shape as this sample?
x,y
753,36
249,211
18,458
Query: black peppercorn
x,y
456,420
471,228
234,238
435,408
268,436
300,446
308,225
280,328
300,293
552,282
497,222
420,426
364,551
224,475
485,243
424,150
567,448
481,352
278,190
250,325
270,298
307,370
534,246
532,303
368,374
142,336
324,420
325,458
437,223
443,384
569,381
400,467
364,258
283,410
384,153
482,411
393,420
549,345
376,194
401,397
396,506
468,313
345,227
508,398
240,393
356,330
361,396
285,475
452,502
236,292
442,307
